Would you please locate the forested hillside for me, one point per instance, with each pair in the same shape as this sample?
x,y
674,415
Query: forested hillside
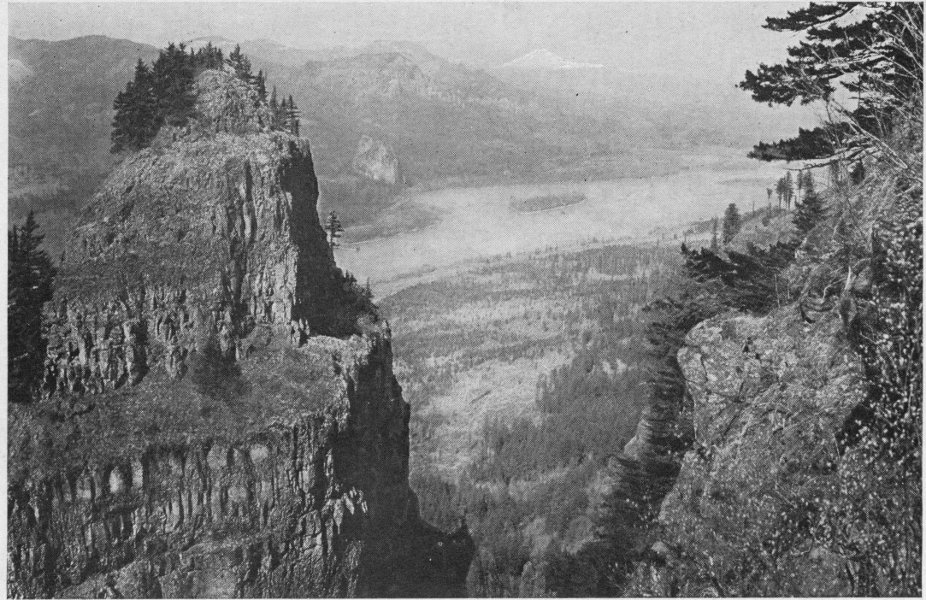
x,y
525,377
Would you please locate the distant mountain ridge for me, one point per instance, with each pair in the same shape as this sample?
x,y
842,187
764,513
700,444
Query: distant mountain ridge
x,y
61,96
442,120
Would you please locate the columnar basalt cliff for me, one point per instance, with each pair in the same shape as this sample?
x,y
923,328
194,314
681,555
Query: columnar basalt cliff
x,y
219,415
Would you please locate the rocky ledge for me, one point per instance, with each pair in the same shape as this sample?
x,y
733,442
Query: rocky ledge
x,y
770,399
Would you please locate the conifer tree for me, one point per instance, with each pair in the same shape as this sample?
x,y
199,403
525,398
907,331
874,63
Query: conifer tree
x,y
292,117
715,245
209,57
780,190
173,85
240,63
275,110
873,51
30,278
261,85
334,229
808,182
799,185
809,212
731,223
135,122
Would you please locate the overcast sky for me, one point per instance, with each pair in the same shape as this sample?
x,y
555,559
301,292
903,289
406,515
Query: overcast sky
x,y
700,39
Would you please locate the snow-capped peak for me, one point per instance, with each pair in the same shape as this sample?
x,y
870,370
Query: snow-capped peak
x,y
544,59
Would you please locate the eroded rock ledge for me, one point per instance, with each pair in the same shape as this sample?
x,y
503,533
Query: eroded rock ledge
x,y
770,398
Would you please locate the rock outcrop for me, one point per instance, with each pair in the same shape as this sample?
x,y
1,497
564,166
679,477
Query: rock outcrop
x,y
770,398
219,413
376,161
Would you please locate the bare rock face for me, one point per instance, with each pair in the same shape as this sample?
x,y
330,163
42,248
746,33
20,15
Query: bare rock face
x,y
220,417
769,397
376,161
206,234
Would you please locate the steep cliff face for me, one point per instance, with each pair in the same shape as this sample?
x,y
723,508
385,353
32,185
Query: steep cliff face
x,y
219,414
770,400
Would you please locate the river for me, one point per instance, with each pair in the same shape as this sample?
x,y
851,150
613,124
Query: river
x,y
477,222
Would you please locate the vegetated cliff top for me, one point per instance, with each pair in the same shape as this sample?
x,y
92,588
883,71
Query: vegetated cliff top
x,y
222,188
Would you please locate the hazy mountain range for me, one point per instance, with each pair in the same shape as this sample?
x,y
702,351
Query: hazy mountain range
x,y
538,117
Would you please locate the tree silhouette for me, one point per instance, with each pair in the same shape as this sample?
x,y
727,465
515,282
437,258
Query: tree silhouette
x,y
334,229
731,223
872,51
261,85
29,286
240,63
780,190
809,212
788,190
292,117
173,85
136,119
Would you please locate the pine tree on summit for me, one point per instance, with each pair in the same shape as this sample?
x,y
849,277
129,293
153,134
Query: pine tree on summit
x,y
261,85
173,84
240,63
275,110
209,57
163,95
292,117
135,123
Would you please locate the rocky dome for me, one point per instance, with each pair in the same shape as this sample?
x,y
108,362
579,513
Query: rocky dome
x,y
376,160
